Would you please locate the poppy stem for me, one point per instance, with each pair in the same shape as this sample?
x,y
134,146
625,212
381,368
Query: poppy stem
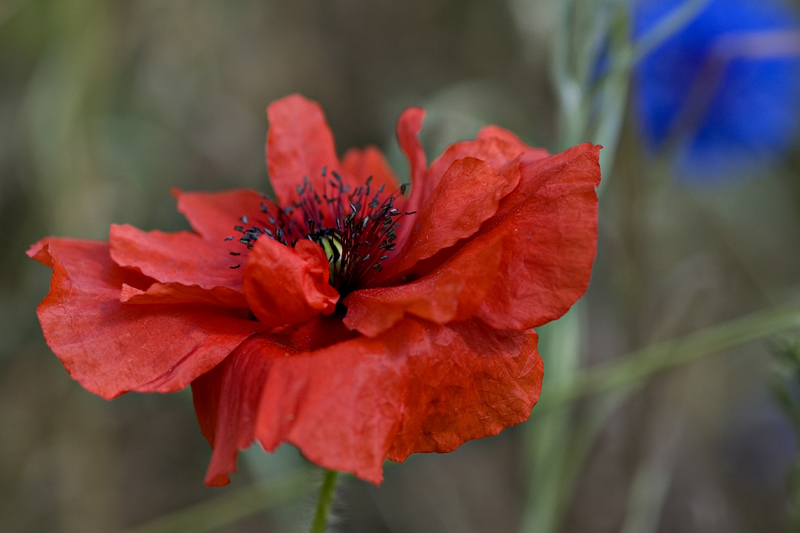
x,y
324,502
657,358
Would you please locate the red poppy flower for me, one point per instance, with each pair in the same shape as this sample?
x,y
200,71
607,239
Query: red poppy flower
x,y
344,317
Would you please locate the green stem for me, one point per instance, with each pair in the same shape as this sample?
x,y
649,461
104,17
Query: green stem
x,y
649,361
549,435
668,26
324,503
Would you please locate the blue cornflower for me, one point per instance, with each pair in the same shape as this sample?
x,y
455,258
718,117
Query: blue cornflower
x,y
723,92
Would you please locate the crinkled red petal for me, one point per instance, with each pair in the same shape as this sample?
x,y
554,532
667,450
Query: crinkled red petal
x,y
467,195
408,127
495,152
299,145
206,396
492,131
214,214
181,257
493,145
526,266
548,230
451,292
175,293
467,381
339,405
417,388
227,401
112,348
370,162
286,285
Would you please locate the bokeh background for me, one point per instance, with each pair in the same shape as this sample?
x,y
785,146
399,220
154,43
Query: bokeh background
x,y
106,105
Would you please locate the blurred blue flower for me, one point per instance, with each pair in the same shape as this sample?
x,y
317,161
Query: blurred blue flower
x,y
723,92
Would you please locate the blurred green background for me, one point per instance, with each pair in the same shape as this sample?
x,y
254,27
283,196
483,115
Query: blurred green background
x,y
106,105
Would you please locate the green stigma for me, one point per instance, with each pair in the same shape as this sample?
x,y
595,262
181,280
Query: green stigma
x,y
331,244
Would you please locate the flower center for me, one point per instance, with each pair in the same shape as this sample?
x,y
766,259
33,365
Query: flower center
x,y
357,234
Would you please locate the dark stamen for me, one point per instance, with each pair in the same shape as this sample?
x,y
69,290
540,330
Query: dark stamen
x,y
356,227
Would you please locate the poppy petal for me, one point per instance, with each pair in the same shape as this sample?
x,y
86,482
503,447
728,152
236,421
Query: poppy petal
x,y
286,285
548,230
349,405
408,127
214,214
470,381
181,257
492,131
494,145
299,145
339,405
494,151
112,348
466,196
206,394
452,292
226,401
370,162
535,254
175,293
